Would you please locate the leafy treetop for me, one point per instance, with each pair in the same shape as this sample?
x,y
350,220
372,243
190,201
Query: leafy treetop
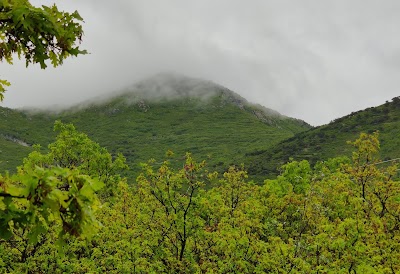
x,y
58,187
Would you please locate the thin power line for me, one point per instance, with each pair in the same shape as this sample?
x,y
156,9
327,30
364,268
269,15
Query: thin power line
x,y
396,159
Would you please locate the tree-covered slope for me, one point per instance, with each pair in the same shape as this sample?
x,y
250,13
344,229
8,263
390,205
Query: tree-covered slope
x,y
329,140
160,114
20,130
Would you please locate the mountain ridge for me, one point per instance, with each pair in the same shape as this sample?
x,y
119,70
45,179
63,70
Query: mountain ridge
x,y
169,86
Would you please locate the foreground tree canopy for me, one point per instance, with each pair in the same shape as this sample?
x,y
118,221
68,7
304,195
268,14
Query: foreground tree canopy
x,y
340,216
38,34
58,187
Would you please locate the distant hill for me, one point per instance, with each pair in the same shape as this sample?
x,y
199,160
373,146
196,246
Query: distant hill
x,y
329,141
166,112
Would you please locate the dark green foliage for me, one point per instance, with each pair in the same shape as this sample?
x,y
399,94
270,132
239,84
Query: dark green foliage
x,y
38,34
327,141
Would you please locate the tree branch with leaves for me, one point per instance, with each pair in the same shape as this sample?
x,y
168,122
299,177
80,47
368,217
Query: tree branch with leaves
x,y
37,34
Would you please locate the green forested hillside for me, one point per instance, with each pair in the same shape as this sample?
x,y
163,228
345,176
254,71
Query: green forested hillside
x,y
327,141
157,115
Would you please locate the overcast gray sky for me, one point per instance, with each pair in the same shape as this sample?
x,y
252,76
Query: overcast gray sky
x,y
312,59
